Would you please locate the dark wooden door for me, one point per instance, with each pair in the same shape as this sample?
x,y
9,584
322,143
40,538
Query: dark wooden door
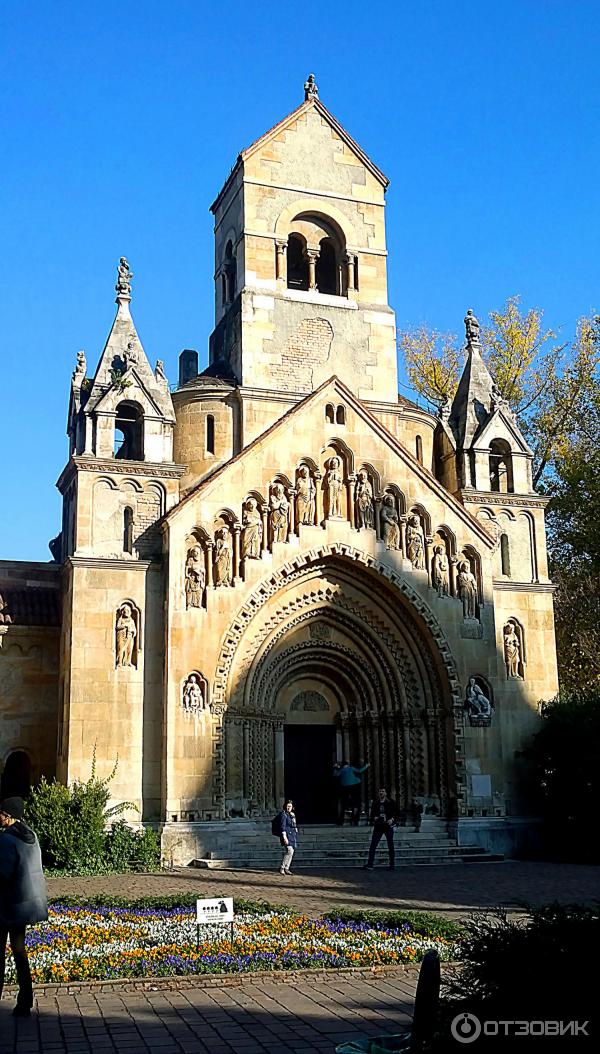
x,y
308,771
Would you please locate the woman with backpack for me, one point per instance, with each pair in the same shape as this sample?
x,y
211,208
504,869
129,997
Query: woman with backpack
x,y
288,835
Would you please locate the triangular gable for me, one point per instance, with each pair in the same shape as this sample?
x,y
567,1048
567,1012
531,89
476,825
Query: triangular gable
x,y
335,385
285,123
502,425
126,391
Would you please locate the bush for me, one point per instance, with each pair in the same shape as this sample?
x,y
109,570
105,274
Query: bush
x,y
537,968
72,827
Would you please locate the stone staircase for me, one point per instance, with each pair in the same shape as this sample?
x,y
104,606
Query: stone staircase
x,y
325,847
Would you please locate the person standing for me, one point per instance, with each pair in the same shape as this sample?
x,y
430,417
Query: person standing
x,y
289,836
349,783
23,897
383,818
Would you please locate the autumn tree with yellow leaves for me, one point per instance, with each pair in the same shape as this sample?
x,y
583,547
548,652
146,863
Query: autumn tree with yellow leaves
x,y
549,386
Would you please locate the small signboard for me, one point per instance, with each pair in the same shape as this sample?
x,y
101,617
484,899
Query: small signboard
x,y
219,909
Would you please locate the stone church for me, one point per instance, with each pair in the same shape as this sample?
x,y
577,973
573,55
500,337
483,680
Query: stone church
x,y
280,561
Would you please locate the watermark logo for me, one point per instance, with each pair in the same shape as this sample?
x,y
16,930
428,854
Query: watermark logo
x,y
466,1028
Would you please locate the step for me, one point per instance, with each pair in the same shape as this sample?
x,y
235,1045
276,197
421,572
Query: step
x,y
268,860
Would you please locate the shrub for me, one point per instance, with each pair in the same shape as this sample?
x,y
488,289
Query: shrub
x,y
72,827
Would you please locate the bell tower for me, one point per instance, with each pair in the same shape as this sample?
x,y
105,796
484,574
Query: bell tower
x,y
301,263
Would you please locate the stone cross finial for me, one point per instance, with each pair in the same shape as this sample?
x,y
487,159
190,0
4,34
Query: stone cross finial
x,y
124,276
311,90
472,328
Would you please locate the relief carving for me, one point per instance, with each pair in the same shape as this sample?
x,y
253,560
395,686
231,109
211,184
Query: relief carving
x,y
223,557
414,542
305,496
467,590
193,698
194,577
252,532
279,513
363,497
477,704
390,523
126,635
310,701
334,485
439,571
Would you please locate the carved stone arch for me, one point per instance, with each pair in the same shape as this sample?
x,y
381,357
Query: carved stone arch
x,y
131,481
108,482
313,206
227,517
296,568
309,462
374,476
340,449
423,515
280,477
398,494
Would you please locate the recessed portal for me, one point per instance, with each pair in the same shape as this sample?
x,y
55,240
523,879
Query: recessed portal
x,y
309,756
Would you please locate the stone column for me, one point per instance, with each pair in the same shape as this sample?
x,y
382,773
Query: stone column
x,y
264,542
452,564
291,495
279,752
209,564
403,520
320,515
377,518
236,553
280,261
349,261
246,759
350,481
312,255
429,554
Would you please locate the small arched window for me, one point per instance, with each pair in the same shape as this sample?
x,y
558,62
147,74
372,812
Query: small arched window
x,y
505,555
327,268
210,434
297,264
340,415
129,432
223,290
501,471
419,448
230,274
329,413
127,529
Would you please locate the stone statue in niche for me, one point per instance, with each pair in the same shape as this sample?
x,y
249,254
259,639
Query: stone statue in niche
x,y
223,557
467,590
305,496
124,276
477,703
334,484
415,545
194,577
159,372
390,526
193,699
5,619
279,513
471,328
439,571
512,650
126,633
252,533
365,506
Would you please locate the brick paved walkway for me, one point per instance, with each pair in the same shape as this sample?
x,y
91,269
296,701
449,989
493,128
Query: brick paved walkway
x,y
454,889
186,1016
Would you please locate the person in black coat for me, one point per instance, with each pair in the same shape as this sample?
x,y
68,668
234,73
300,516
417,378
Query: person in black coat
x,y
383,815
23,897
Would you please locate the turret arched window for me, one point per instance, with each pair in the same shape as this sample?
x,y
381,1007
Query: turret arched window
x,y
505,555
127,529
210,434
129,432
501,470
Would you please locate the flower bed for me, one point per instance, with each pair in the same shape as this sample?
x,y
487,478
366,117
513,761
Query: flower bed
x,y
86,942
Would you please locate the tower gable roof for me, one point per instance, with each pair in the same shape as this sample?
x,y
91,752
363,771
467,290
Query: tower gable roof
x,y
309,104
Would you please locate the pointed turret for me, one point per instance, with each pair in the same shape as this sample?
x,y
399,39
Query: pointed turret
x,y
472,402
125,394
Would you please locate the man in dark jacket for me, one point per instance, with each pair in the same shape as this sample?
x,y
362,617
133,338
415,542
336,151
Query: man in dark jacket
x,y
383,816
23,898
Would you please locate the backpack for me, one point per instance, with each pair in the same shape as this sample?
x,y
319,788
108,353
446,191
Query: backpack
x,y
276,825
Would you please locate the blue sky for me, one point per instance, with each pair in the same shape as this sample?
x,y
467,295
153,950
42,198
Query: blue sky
x,y
120,122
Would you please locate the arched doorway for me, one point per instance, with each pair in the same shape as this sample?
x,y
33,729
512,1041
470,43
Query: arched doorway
x,y
355,638
311,707
16,777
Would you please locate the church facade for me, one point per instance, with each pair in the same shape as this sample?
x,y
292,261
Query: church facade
x,y
281,562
